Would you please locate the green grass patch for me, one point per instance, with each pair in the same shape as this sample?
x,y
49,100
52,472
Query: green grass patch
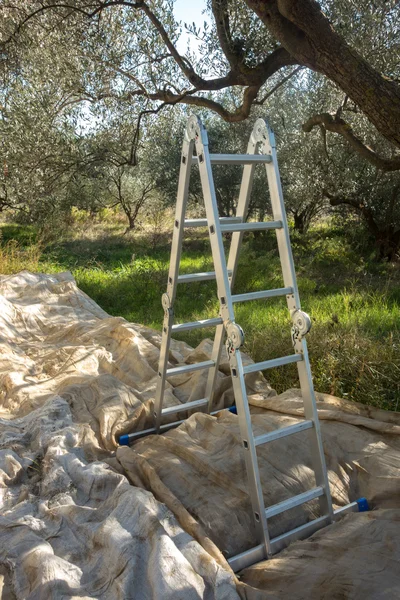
x,y
353,300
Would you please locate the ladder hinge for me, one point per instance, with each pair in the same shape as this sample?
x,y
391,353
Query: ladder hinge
x,y
166,303
301,324
235,336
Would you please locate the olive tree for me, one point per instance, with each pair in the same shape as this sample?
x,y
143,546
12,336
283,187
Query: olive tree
x,y
330,71
251,45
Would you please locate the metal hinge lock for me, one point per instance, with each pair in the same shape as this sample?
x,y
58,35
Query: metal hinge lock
x,y
166,303
301,324
235,337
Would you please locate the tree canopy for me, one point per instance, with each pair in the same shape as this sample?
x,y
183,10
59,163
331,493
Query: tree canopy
x,y
127,50
88,86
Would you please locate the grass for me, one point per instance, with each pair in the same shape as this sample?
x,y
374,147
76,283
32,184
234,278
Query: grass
x,y
353,300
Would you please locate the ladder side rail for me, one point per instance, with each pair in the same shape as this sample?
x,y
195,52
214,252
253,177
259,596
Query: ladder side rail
x,y
233,259
249,451
169,297
227,314
242,207
300,345
214,227
317,447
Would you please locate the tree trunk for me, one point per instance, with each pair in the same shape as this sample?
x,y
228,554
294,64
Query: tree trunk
x,y
299,222
304,31
388,244
131,221
387,237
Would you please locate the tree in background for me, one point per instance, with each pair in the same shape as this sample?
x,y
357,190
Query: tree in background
x,y
41,149
104,178
320,172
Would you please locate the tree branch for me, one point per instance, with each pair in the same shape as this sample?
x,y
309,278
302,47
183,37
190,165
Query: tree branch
x,y
240,114
306,33
183,63
277,86
42,9
337,125
358,205
221,16
240,74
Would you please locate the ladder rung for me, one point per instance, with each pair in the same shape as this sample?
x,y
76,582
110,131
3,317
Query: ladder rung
x,y
270,364
237,159
197,324
130,437
247,558
171,410
281,507
283,432
260,226
342,510
204,222
280,542
260,295
190,277
206,364
256,554
144,432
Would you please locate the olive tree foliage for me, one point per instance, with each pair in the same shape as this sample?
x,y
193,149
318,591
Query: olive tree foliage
x,y
327,75
131,46
58,150
321,173
40,149
103,183
105,179
38,146
302,161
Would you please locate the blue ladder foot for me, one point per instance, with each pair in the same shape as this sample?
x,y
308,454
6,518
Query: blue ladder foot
x,y
363,505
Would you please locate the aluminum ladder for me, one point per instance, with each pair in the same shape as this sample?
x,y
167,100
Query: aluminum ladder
x,y
261,149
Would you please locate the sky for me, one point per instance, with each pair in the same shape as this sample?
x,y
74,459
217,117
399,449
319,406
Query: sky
x,y
188,11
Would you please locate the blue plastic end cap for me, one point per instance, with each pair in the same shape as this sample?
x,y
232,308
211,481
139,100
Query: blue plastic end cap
x,y
124,440
362,504
233,410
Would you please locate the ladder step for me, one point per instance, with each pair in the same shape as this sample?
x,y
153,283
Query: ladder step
x,y
190,277
260,226
256,554
283,432
270,364
264,294
204,222
240,159
237,159
206,364
281,507
280,542
131,437
197,324
171,410
247,558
